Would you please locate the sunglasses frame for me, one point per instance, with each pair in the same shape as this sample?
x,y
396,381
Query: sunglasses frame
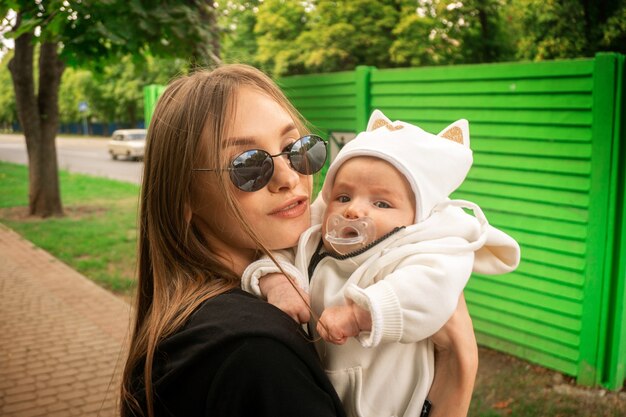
x,y
283,153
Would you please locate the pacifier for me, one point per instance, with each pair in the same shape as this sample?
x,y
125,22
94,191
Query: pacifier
x,y
346,235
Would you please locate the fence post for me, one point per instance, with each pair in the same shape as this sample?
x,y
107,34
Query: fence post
x,y
151,94
615,361
596,316
362,77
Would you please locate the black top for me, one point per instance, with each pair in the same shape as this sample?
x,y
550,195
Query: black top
x,y
240,356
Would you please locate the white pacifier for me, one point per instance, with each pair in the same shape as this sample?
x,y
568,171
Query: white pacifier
x,y
346,235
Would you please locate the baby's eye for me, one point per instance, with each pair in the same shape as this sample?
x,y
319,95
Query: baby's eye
x,y
343,199
382,204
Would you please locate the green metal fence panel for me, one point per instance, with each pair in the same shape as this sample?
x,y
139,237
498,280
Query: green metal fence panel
x,y
531,132
327,101
545,137
601,229
614,371
151,94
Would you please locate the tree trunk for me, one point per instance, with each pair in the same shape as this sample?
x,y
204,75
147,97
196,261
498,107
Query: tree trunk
x,y
207,55
132,114
39,116
215,39
486,53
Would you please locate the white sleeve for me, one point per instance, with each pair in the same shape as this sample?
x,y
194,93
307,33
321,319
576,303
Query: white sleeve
x,y
257,269
416,299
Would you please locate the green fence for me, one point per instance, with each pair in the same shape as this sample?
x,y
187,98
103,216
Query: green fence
x,y
548,170
548,141
151,94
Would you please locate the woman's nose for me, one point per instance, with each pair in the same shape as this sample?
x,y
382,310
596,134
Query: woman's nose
x,y
284,178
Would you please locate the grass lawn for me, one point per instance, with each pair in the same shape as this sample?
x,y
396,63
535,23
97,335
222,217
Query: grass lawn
x,y
97,237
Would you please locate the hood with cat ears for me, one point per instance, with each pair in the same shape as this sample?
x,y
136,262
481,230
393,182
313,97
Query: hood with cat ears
x,y
434,165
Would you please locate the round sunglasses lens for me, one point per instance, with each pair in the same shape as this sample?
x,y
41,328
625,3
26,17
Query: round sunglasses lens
x,y
308,154
251,170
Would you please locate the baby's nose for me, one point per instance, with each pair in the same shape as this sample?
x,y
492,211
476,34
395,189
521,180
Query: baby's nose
x,y
355,211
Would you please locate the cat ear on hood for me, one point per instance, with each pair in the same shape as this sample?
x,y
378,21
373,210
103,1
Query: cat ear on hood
x,y
377,119
457,132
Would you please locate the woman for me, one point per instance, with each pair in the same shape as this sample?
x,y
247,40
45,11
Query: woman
x,y
200,345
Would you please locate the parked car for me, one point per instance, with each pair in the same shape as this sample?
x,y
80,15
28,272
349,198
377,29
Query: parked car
x,y
129,143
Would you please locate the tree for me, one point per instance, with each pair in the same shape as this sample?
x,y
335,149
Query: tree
x,y
278,25
8,113
569,28
116,92
336,35
237,20
451,32
342,35
75,84
81,33
614,34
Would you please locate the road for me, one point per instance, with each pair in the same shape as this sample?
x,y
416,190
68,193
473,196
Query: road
x,y
85,156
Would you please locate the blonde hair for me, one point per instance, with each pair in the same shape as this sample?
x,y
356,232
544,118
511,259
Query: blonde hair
x,y
177,270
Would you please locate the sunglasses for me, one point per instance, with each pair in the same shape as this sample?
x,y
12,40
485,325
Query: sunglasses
x,y
253,169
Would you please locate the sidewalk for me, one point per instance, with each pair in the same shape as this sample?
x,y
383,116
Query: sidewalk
x,y
61,336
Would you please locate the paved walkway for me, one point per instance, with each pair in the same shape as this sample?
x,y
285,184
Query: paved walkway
x,y
61,336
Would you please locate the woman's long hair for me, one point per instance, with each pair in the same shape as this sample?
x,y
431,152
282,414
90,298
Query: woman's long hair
x,y
177,270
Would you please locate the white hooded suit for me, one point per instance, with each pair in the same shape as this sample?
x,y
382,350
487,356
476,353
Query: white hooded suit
x,y
409,281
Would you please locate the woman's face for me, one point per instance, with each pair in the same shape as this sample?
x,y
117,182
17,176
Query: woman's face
x,y
279,212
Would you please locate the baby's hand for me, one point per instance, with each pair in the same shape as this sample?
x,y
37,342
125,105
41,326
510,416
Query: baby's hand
x,y
283,293
339,323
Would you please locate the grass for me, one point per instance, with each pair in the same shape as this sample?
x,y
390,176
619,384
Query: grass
x,y
98,235
511,387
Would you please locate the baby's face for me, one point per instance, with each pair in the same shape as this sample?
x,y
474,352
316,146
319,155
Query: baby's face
x,y
371,187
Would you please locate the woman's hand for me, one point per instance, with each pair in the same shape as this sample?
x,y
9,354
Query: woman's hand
x,y
456,364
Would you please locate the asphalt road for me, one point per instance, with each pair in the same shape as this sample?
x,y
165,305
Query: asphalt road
x,y
85,156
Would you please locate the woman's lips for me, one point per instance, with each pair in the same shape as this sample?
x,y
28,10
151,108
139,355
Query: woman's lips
x,y
293,208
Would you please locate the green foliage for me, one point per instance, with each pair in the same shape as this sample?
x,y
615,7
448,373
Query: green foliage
x,y
126,45
556,29
118,95
278,25
93,33
285,37
483,32
333,35
116,92
238,41
74,87
350,34
8,112
614,34
553,29
410,48
328,35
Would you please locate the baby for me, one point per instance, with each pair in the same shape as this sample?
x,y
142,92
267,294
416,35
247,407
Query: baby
x,y
388,262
